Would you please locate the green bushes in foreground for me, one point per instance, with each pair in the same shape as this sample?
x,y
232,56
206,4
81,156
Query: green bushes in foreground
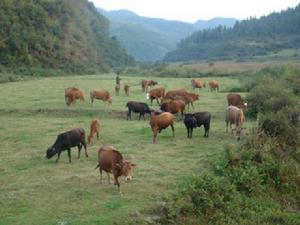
x,y
255,183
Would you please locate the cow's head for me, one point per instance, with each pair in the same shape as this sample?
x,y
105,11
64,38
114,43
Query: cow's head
x,y
50,152
126,168
109,100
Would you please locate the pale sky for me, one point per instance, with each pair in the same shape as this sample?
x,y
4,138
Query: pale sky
x,y
192,10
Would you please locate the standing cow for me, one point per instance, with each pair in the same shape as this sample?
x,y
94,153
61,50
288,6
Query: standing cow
x,y
72,94
214,85
137,107
236,100
67,140
235,116
193,120
126,89
197,83
111,161
117,89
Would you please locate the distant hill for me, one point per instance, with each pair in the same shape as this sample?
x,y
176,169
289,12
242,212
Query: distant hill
x,y
149,39
68,35
215,22
246,39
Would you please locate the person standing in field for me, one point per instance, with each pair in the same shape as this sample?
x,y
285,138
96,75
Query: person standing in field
x,y
118,79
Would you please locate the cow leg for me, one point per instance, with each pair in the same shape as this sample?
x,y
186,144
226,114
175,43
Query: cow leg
x,y
69,154
100,170
206,130
117,183
97,135
79,150
154,135
191,134
58,155
140,116
85,149
92,101
188,132
226,126
173,130
143,116
108,178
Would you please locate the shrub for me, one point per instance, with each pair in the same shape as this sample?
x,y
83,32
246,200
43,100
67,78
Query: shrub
x,y
268,98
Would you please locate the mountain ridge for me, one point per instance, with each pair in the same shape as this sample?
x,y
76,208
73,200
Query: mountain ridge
x,y
156,36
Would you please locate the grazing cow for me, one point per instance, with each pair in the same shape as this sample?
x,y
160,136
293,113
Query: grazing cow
x,y
72,94
94,129
117,89
137,107
214,86
146,83
126,89
235,116
197,84
173,106
65,141
160,121
157,93
101,95
193,120
236,100
172,94
111,161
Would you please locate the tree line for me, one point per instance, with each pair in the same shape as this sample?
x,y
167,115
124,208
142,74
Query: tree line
x,y
247,38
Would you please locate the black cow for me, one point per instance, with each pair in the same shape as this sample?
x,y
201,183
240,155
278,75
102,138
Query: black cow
x,y
137,107
65,141
193,120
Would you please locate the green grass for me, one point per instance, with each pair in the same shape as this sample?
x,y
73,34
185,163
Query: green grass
x,y
38,191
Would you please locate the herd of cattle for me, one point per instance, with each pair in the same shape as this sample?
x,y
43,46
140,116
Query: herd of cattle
x,y
175,101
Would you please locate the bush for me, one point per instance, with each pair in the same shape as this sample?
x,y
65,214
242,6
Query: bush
x,y
266,98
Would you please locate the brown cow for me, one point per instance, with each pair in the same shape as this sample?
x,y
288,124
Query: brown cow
x,y
214,86
235,116
117,89
236,100
160,121
101,95
111,161
72,94
146,83
173,106
157,93
94,129
174,93
181,94
197,83
126,89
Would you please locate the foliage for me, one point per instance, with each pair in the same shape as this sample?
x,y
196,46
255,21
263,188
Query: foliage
x,y
257,181
272,89
64,35
245,40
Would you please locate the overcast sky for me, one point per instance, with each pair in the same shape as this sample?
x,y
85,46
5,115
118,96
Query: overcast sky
x,y
192,10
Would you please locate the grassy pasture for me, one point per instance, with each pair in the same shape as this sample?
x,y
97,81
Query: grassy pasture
x,y
38,191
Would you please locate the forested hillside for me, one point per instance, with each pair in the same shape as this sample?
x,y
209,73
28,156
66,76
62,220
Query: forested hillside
x,y
149,39
68,35
246,39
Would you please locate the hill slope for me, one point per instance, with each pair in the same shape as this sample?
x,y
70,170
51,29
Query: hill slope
x,y
69,35
246,39
149,39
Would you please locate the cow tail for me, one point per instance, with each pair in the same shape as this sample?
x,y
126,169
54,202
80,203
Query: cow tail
x,y
98,165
